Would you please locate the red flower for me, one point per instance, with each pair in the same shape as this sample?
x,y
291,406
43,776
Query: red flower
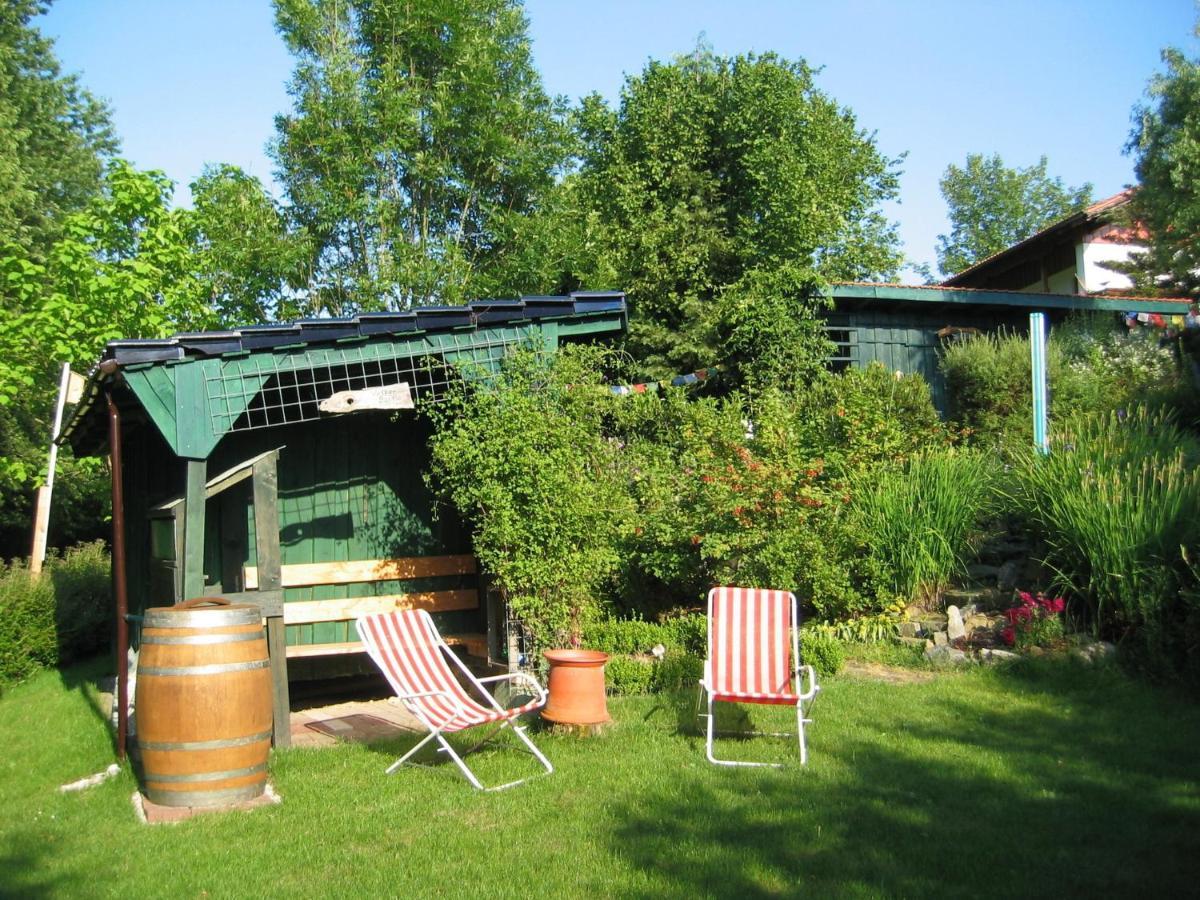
x,y
1058,604
1009,635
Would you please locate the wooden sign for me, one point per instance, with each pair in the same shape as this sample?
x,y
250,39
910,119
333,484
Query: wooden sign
x,y
388,396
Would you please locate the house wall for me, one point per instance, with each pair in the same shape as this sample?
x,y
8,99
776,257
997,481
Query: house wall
x,y
1096,278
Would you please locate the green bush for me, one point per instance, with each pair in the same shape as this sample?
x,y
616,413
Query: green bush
x,y
922,518
28,638
58,617
823,652
1116,501
627,675
1093,365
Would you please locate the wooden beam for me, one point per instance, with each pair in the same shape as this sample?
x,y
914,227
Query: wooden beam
x,y
306,612
193,530
475,645
367,570
266,541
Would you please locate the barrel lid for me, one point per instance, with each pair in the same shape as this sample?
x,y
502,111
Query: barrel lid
x,y
198,614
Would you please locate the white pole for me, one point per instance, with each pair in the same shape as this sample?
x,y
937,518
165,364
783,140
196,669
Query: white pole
x,y
1037,352
41,516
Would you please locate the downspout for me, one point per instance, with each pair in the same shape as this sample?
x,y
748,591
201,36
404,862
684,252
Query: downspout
x,y
120,591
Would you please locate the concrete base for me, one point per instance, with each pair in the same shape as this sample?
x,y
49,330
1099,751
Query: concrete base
x,y
153,814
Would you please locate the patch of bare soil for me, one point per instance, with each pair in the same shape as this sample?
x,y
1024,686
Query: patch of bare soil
x,y
891,674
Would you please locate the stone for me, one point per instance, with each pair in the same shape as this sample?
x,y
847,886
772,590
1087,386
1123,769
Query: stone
x,y
913,641
946,656
940,639
955,630
968,610
994,656
1008,575
909,629
963,597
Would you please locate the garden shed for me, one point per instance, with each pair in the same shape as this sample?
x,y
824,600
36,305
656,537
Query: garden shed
x,y
282,465
903,326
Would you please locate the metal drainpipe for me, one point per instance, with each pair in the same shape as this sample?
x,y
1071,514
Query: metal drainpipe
x,y
119,585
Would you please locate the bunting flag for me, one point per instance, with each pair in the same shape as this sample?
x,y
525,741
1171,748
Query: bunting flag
x,y
1158,320
678,381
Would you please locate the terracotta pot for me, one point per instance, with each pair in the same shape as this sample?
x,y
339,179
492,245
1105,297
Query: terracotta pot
x,y
576,686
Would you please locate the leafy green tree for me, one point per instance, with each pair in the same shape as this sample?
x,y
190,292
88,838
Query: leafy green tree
x,y
991,207
712,168
54,136
1166,145
251,265
420,132
123,267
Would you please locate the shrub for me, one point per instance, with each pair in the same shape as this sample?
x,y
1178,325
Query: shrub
x,y
823,652
631,670
1092,364
28,641
627,675
1035,622
922,518
1116,501
524,459
56,618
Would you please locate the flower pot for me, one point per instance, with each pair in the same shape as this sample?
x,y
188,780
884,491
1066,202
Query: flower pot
x,y
576,686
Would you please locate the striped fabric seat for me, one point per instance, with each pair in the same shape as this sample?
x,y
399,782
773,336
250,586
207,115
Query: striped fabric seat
x,y
749,646
753,657
407,647
421,669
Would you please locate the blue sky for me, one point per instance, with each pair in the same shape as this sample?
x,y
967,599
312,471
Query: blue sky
x,y
200,82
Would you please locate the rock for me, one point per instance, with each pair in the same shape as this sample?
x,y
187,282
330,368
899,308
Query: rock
x,y
932,621
1008,575
1094,651
946,656
955,630
940,639
962,597
909,629
968,610
993,656
977,622
913,641
1104,650
929,645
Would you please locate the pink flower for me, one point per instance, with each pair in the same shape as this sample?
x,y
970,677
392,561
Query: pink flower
x,y
1059,604
1009,635
1026,598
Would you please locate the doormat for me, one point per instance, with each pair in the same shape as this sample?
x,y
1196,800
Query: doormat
x,y
358,727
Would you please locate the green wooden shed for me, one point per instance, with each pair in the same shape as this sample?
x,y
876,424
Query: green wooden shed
x,y
283,465
904,326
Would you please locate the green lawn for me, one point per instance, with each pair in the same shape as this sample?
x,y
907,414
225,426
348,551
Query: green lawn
x,y
1049,780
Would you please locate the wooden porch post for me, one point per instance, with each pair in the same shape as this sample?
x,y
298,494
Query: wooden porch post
x,y
266,536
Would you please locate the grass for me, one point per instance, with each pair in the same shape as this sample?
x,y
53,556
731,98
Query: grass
x,y
1044,780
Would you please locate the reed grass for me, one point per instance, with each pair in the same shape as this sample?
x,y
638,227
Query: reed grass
x,y
921,519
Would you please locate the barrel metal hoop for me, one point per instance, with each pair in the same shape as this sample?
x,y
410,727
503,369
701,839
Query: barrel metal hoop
x,y
214,669
204,776
168,797
215,618
205,745
203,638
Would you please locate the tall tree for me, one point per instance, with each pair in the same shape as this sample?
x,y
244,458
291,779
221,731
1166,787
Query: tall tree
x,y
713,169
992,207
251,265
1166,145
419,129
54,135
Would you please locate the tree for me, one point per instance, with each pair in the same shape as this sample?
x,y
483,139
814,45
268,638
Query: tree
x,y
1165,142
54,136
991,207
712,169
419,131
252,266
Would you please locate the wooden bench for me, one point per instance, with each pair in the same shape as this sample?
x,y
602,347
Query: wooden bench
x,y
373,571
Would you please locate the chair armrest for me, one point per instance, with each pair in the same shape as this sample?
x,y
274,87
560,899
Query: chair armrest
x,y
513,676
424,694
813,687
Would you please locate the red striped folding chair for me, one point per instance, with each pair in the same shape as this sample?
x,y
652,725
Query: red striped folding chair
x,y
754,657
422,671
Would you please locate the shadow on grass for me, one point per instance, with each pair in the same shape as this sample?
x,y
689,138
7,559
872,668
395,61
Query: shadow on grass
x,y
86,678
1063,793
23,872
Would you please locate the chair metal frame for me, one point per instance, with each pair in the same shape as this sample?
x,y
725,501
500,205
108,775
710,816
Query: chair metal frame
x,y
799,696
441,725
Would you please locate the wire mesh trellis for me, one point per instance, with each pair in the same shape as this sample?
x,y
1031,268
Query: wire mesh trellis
x,y
264,391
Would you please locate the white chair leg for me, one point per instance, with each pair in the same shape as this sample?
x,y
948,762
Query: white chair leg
x,y
708,747
402,760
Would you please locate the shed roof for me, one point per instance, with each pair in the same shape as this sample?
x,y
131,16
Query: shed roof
x,y
907,293
197,387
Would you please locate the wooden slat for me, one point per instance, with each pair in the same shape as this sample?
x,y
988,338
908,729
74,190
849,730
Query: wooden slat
x,y
305,612
367,570
475,644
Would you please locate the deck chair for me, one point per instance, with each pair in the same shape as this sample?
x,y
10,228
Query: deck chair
x,y
754,657
422,670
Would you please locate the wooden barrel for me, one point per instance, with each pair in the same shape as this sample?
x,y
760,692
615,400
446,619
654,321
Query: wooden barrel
x,y
203,702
